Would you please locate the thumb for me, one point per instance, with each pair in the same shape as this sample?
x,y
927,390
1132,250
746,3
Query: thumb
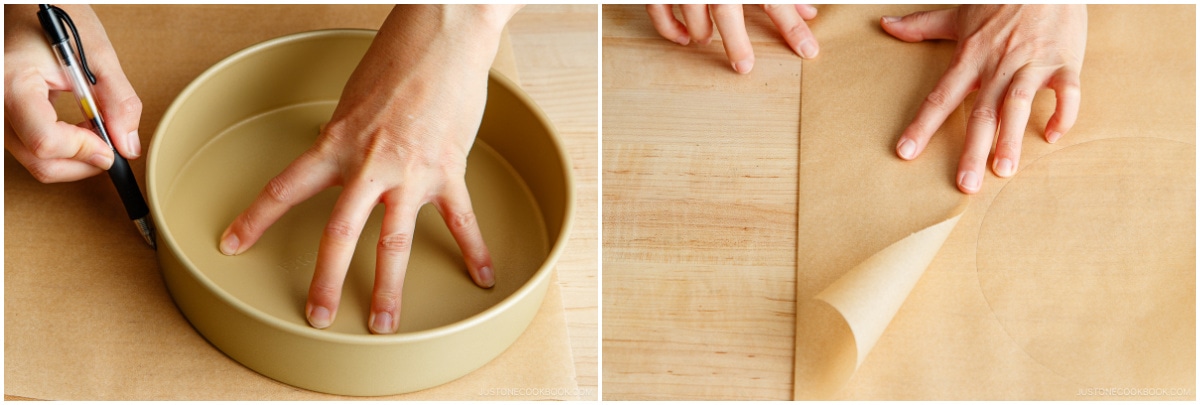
x,y
117,100
923,25
122,110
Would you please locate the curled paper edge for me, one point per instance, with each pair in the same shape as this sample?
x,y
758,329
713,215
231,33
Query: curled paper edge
x,y
838,327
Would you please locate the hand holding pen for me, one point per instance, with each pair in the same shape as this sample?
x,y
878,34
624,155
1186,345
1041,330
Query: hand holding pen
x,y
52,150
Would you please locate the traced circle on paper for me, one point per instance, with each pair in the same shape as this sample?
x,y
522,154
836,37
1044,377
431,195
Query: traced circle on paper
x,y
1088,260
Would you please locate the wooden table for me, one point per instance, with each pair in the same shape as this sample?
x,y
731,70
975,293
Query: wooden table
x,y
555,49
700,167
700,213
555,46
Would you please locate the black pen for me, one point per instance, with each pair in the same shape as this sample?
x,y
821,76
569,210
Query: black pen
x,y
52,18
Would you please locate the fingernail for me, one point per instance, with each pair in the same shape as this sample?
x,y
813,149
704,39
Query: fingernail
x,y
381,322
487,277
318,317
890,19
133,144
969,180
742,66
682,40
101,160
230,244
1053,136
907,149
808,49
1004,167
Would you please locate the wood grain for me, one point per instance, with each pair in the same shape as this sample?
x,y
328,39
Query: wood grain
x,y
555,46
700,168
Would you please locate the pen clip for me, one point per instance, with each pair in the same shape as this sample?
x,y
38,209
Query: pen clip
x,y
78,43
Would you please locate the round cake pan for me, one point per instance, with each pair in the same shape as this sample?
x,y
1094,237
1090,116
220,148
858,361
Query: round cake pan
x,y
241,122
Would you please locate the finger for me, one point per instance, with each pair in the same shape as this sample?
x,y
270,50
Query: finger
x,y
391,262
732,25
33,119
50,170
923,25
950,91
981,129
302,179
793,29
115,97
1067,92
119,104
665,23
807,11
333,256
456,210
1018,102
698,23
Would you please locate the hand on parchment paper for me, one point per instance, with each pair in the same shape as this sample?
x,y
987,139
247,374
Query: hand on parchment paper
x,y
1008,53
399,136
52,150
698,22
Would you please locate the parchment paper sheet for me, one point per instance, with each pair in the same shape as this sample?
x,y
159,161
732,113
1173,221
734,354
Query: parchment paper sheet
x,y
1075,279
86,313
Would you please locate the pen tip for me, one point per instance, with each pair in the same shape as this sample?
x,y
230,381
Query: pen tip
x,y
146,228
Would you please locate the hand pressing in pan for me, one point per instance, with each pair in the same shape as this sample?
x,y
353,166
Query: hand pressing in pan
x,y
399,136
698,26
54,151
1007,53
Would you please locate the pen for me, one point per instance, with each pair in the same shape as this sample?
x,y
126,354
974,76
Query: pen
x,y
51,18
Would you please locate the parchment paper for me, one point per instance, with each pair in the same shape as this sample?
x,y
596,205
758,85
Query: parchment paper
x,y
1075,279
86,313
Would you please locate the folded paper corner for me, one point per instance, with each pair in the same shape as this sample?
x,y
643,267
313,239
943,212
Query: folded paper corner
x,y
838,327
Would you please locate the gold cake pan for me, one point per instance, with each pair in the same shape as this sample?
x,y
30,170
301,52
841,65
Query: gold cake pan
x,y
241,122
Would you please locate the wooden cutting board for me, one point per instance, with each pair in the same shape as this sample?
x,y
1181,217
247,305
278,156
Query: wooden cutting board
x,y
700,255
699,214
